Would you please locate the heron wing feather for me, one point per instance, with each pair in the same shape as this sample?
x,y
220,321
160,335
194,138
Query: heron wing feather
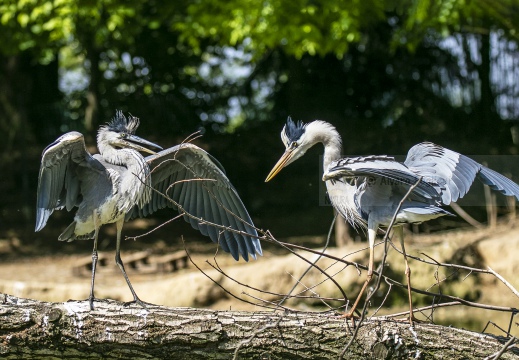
x,y
382,167
201,188
453,172
58,183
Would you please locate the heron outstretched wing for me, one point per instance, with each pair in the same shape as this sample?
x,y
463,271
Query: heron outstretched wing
x,y
378,168
58,183
454,172
197,182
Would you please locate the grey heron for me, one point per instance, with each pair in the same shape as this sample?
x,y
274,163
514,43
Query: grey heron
x,y
367,190
119,184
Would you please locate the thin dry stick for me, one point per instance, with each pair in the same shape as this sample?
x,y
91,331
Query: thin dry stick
x,y
192,137
489,270
455,298
220,270
215,282
435,262
496,326
465,216
425,308
287,247
329,256
275,306
246,341
503,280
384,299
386,236
195,177
154,229
314,262
505,347
310,289
182,211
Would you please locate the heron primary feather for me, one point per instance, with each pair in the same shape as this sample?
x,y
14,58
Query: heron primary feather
x,y
119,184
367,190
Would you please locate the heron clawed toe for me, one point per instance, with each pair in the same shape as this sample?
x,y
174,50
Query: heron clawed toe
x,y
139,302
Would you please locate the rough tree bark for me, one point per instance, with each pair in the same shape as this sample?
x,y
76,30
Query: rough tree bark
x,y
32,329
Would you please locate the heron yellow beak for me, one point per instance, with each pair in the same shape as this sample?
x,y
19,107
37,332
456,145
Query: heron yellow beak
x,y
280,164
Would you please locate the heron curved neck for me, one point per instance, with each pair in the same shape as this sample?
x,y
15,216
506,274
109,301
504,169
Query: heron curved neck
x,y
332,152
325,133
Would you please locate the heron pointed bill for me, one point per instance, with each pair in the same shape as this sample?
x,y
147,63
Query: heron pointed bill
x,y
282,162
133,141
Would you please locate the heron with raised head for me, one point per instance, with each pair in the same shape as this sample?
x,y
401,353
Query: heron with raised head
x,y
367,190
119,184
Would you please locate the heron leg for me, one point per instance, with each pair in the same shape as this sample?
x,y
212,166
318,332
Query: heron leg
x,y
399,230
119,224
95,257
372,233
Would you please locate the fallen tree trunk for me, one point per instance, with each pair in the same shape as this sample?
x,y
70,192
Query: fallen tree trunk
x,y
32,329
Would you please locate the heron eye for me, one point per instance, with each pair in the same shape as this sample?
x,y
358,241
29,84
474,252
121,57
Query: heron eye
x,y
293,145
123,135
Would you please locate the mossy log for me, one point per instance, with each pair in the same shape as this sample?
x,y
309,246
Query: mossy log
x,y
31,329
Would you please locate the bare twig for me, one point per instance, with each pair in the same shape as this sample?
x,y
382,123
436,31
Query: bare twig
x,y
386,236
503,280
505,347
465,216
384,299
216,282
313,264
221,271
315,261
425,308
154,229
455,298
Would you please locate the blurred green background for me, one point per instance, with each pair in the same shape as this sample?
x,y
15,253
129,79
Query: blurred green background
x,y
387,73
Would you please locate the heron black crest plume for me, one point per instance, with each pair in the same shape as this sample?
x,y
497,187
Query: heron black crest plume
x,y
120,124
294,130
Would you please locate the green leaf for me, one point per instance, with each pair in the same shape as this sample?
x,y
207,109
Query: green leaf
x,y
23,19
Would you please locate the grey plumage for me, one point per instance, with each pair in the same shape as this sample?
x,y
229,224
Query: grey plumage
x,y
367,190
195,180
120,184
446,176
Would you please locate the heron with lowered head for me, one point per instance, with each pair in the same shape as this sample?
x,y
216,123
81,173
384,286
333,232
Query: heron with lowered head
x,y
367,190
119,184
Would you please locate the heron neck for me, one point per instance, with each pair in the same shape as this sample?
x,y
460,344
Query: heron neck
x,y
331,140
332,152
322,132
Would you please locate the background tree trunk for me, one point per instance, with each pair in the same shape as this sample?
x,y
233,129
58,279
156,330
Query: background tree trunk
x,y
32,329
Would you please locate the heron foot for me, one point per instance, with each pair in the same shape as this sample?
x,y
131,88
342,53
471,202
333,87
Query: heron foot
x,y
349,315
91,300
411,320
138,302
